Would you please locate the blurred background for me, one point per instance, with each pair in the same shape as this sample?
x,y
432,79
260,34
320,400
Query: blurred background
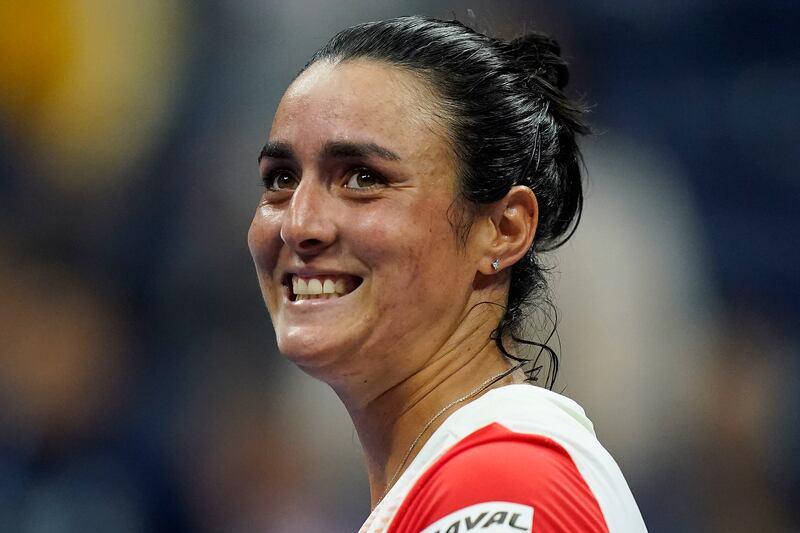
x,y
140,389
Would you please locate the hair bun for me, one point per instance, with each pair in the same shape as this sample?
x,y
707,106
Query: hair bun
x,y
540,56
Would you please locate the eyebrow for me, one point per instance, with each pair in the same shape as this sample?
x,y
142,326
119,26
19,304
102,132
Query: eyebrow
x,y
331,150
277,150
345,149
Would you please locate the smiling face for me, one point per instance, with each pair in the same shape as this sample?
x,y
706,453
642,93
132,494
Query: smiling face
x,y
358,182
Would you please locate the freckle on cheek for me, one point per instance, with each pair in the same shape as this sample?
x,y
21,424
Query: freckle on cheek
x,y
417,267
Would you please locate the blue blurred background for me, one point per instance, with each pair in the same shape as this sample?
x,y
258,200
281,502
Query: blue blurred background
x,y
140,389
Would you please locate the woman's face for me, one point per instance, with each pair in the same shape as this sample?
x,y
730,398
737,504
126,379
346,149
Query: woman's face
x,y
358,182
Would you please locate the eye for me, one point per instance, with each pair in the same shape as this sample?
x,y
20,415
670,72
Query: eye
x,y
363,178
281,180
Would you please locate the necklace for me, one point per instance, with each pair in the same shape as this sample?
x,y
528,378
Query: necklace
x,y
492,380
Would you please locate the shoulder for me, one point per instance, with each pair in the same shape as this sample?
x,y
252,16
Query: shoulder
x,y
508,480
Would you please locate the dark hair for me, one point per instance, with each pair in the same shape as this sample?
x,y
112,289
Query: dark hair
x,y
510,124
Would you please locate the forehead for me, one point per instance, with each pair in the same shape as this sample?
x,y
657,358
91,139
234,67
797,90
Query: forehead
x,y
360,99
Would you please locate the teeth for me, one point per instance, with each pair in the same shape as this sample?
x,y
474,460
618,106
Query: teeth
x,y
328,287
314,288
340,286
299,285
316,297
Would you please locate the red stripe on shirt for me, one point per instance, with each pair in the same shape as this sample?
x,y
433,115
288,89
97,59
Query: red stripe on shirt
x,y
497,464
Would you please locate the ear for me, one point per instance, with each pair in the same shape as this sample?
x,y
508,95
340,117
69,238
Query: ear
x,y
511,228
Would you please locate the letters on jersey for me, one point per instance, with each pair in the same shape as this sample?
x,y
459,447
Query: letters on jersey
x,y
492,517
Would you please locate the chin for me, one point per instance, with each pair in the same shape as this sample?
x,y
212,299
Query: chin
x,y
321,360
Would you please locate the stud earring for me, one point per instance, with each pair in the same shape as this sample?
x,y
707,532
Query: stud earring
x,y
496,264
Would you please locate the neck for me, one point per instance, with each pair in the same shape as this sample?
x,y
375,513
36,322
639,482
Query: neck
x,y
389,424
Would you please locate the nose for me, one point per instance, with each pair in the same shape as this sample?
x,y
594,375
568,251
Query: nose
x,y
308,227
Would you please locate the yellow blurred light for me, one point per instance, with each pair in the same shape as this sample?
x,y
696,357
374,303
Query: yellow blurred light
x,y
93,84
37,46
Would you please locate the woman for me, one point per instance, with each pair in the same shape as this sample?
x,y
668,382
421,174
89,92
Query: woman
x,y
414,171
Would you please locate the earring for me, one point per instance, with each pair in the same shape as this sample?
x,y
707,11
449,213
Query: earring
x,y
496,264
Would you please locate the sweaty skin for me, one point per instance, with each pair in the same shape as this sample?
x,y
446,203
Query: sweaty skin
x,y
359,179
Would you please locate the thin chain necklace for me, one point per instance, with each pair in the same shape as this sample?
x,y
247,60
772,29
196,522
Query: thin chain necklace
x,y
492,380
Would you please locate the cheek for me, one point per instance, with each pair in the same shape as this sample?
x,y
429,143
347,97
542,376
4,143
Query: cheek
x,y
263,239
388,240
418,256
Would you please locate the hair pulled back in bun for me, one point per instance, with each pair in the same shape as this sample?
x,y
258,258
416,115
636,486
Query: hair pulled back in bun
x,y
510,124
